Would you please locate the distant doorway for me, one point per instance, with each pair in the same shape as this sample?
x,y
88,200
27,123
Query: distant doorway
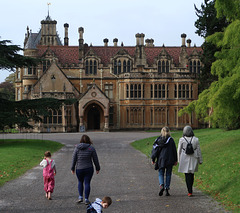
x,y
93,118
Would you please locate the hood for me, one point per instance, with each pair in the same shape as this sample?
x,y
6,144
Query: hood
x,y
165,140
98,200
83,146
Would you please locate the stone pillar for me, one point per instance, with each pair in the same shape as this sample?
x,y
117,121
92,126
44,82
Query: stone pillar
x,y
80,80
106,123
81,120
63,119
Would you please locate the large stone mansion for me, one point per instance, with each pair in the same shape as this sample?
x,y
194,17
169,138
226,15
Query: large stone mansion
x,y
117,87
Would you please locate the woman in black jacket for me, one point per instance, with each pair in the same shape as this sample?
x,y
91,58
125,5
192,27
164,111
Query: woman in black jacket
x,y
164,150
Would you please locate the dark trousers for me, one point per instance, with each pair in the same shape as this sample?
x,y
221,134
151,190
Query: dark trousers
x,y
189,178
84,176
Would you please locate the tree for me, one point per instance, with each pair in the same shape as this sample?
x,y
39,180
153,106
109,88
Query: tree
x,y
220,102
21,113
9,57
7,88
207,24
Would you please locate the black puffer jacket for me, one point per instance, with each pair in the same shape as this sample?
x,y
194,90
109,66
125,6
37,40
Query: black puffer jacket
x,y
83,156
165,151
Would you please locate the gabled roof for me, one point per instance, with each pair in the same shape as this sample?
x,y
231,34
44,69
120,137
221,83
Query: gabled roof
x,y
65,54
90,88
70,54
59,72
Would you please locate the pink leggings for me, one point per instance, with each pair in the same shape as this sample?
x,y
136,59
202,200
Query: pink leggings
x,y
48,184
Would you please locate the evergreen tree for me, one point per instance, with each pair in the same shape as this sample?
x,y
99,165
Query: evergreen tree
x,y
207,24
219,104
9,57
20,113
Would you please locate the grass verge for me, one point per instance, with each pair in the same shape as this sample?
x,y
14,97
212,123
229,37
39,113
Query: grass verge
x,y
219,174
18,156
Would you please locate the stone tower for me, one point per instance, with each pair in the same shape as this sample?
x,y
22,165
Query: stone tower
x,y
48,32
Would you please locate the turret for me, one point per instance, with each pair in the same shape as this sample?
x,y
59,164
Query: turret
x,y
48,32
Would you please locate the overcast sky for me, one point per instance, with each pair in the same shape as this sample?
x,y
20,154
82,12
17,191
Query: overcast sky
x,y
162,20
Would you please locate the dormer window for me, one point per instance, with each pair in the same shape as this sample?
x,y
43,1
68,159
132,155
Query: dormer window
x,y
91,67
195,66
163,66
45,65
121,66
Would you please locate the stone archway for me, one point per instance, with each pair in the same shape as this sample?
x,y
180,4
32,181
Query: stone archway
x,y
93,118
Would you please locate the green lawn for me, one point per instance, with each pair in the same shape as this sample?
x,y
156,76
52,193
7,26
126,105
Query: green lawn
x,y
219,175
18,156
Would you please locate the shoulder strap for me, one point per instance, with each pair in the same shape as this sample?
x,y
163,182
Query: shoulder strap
x,y
191,140
187,140
98,203
168,140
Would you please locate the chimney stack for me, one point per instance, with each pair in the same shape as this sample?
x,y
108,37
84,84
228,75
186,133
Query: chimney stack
x,y
81,31
183,36
66,34
80,40
142,39
149,42
105,42
137,39
115,41
189,43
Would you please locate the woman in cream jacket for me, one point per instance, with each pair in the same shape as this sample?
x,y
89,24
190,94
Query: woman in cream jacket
x,y
188,164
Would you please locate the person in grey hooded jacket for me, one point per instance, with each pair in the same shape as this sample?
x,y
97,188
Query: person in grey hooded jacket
x,y
84,155
188,163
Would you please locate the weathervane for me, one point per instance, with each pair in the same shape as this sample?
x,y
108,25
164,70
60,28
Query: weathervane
x,y
48,7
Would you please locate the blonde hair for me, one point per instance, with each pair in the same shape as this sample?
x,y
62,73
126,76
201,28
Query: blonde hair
x,y
165,132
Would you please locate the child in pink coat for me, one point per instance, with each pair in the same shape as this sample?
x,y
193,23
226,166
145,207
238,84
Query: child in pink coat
x,y
49,171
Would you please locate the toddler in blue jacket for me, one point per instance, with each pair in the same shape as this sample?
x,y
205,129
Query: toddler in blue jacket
x,y
98,205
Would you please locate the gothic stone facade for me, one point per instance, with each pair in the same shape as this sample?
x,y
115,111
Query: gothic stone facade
x,y
117,87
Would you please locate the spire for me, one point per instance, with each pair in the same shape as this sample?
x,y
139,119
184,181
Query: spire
x,y
48,17
48,7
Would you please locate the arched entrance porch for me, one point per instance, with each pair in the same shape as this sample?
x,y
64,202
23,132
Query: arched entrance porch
x,y
94,110
94,115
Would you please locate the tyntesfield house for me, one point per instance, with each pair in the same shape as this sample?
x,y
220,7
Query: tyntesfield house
x,y
117,87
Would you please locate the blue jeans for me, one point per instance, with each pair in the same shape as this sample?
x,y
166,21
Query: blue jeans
x,y
84,176
161,173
